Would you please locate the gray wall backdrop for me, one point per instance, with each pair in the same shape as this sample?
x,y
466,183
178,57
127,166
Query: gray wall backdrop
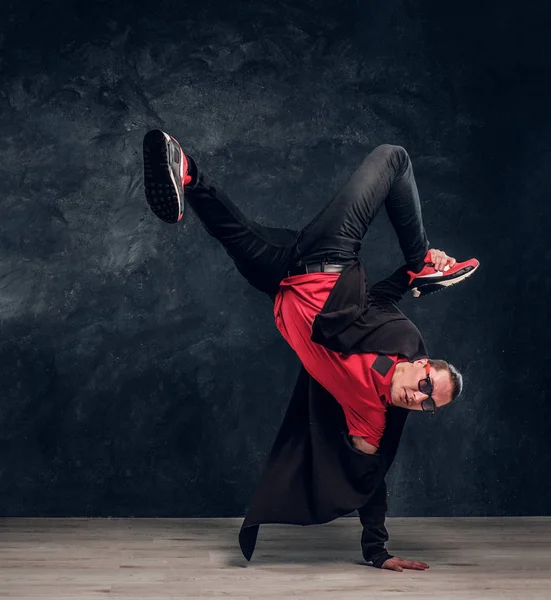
x,y
140,375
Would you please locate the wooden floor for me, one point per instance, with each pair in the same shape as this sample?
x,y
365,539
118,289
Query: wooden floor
x,y
200,558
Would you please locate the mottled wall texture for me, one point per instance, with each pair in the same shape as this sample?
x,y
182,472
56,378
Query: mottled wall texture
x,y
140,375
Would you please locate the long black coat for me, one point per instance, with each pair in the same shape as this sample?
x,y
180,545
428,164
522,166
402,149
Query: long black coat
x,y
314,474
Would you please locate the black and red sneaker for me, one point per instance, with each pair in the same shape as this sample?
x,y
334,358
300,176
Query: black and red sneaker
x,y
165,175
429,280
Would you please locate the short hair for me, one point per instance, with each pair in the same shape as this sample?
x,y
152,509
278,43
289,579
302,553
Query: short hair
x,y
455,376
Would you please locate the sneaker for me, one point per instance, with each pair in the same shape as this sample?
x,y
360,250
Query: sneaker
x,y
429,280
165,175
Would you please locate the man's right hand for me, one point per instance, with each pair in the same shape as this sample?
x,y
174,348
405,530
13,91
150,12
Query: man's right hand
x,y
399,564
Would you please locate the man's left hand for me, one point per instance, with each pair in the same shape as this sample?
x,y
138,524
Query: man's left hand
x,y
399,564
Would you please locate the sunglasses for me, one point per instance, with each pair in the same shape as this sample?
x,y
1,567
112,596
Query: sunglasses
x,y
425,387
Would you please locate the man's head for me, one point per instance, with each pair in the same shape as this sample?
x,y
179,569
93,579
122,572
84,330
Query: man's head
x,y
446,381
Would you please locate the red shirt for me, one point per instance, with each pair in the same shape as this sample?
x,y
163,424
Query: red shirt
x,y
361,391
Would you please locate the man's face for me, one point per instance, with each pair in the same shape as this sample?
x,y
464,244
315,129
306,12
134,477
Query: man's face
x,y
404,389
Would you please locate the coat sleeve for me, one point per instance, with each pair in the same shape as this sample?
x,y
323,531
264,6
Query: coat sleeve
x,y
392,289
374,534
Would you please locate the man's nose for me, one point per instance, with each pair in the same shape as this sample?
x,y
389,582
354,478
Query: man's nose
x,y
419,397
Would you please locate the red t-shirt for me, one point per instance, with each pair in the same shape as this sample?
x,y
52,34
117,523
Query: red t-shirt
x,y
362,392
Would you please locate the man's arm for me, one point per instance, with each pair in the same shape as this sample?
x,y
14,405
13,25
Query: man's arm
x,y
375,535
392,289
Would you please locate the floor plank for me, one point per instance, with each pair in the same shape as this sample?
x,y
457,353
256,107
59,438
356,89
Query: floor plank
x,y
154,559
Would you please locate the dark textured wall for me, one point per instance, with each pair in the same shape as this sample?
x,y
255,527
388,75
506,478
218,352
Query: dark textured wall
x,y
140,375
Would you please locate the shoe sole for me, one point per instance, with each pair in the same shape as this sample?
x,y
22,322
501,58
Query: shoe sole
x,y
431,288
163,193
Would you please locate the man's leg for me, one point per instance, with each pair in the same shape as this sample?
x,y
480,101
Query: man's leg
x,y
384,178
261,254
172,180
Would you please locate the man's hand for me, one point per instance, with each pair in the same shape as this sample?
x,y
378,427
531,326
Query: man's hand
x,y
399,564
441,259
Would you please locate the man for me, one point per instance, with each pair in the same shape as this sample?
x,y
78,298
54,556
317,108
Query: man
x,y
364,364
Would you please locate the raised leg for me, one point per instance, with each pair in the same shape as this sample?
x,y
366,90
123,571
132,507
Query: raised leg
x,y
384,178
261,254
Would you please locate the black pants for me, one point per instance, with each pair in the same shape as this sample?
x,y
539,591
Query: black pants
x,y
263,255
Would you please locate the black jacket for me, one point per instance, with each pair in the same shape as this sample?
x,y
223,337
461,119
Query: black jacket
x,y
314,474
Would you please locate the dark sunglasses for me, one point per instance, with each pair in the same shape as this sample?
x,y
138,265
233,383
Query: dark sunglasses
x,y
425,387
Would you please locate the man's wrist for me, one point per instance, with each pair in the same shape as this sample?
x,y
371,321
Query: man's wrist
x,y
379,559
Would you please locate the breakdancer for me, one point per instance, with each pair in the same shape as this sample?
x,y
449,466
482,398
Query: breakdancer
x,y
305,271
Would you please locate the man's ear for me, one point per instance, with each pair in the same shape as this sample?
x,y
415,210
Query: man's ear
x,y
422,362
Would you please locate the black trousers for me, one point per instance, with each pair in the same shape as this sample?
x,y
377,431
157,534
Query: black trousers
x,y
263,255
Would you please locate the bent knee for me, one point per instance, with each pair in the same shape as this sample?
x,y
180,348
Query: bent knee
x,y
395,157
392,150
